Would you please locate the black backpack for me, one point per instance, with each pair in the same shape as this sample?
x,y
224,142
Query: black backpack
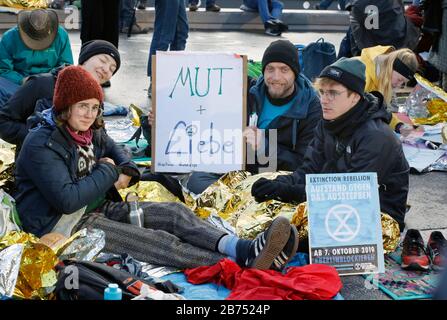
x,y
82,280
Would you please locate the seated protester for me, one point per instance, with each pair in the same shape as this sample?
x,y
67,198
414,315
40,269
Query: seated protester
x,y
352,137
270,12
386,70
100,58
36,45
68,164
284,100
392,27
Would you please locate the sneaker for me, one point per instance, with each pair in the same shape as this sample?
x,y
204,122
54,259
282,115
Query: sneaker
x,y
414,255
436,247
281,25
243,7
213,8
271,28
194,7
268,245
288,252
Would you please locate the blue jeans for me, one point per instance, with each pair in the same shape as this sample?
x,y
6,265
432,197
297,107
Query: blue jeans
x,y
126,13
7,89
324,4
209,3
170,28
268,9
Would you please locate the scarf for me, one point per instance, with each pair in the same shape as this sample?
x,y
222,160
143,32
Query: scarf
x,y
83,138
346,124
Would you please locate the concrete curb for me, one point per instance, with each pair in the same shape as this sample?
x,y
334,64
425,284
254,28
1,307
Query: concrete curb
x,y
227,19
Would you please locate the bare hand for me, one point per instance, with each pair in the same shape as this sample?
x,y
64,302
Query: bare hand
x,y
406,130
151,118
122,182
253,136
105,159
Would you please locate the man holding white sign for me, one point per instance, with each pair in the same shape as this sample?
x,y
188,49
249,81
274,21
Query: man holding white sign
x,y
283,110
352,137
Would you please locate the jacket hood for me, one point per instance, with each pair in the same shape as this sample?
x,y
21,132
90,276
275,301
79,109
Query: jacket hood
x,y
376,107
40,119
305,94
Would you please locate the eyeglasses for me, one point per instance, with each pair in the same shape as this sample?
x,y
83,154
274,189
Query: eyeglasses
x,y
331,94
85,109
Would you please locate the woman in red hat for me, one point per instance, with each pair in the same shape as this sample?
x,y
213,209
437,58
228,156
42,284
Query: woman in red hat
x,y
67,174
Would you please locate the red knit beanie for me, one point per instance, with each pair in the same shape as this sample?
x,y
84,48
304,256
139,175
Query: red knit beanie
x,y
75,84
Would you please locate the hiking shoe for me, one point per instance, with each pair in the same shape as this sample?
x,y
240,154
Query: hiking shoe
x,y
414,255
268,245
288,252
213,8
136,29
436,247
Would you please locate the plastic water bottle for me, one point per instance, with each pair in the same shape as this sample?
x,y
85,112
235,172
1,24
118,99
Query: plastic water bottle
x,y
113,292
136,215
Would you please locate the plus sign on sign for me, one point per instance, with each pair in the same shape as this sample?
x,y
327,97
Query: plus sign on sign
x,y
344,222
199,106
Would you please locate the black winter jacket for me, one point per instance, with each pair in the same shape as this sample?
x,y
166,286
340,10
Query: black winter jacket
x,y
394,28
47,184
295,128
14,114
370,146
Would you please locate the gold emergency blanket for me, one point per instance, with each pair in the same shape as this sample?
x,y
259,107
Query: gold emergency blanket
x,y
438,113
37,275
436,107
25,4
150,191
6,165
230,197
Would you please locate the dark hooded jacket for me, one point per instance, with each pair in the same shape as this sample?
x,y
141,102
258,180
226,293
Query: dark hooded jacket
x,y
46,179
295,127
359,141
14,114
394,28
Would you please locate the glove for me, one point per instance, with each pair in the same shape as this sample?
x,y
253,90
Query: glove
x,y
264,189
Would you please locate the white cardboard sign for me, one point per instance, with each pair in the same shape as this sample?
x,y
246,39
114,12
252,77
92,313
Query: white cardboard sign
x,y
199,111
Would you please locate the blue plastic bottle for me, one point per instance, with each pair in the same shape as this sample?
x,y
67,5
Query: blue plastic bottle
x,y
113,292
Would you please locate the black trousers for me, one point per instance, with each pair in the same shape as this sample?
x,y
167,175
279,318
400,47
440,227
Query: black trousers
x,y
100,20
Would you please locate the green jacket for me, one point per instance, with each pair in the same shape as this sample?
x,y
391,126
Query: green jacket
x,y
18,61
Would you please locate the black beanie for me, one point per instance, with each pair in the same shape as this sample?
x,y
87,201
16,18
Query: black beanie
x,y
282,51
94,47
